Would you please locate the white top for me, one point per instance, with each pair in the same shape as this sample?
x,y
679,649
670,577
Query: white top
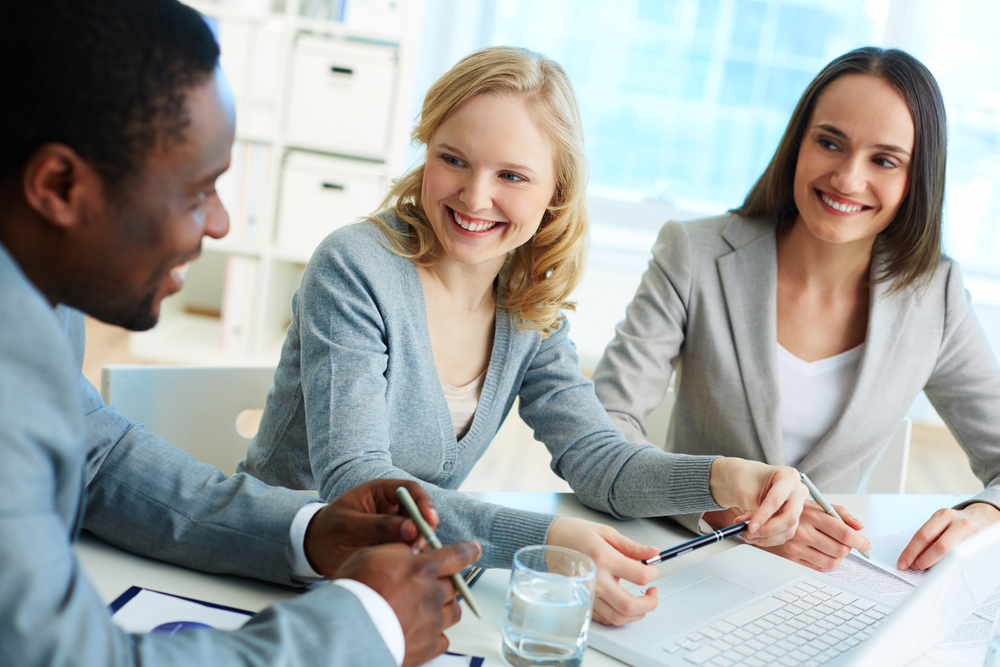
x,y
813,396
462,403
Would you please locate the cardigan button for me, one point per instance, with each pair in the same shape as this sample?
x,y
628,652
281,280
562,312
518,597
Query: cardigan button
x,y
448,465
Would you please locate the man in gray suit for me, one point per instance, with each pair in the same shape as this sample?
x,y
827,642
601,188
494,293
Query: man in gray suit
x,y
115,125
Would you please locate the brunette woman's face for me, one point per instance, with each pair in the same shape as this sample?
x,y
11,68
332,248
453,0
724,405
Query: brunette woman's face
x,y
489,177
853,165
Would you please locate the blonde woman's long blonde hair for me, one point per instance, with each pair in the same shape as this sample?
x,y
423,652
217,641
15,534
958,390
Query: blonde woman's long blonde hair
x,y
539,276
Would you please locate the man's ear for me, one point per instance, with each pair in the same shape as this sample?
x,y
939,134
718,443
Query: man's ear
x,y
57,182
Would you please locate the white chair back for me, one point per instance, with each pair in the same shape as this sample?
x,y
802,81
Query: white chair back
x,y
659,420
889,473
192,407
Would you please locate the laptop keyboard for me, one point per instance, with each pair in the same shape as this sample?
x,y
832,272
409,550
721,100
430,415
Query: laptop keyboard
x,y
807,624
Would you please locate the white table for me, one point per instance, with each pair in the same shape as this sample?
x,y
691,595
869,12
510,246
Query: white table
x,y
113,571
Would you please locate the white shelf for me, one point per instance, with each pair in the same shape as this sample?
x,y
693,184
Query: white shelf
x,y
246,277
296,22
230,248
336,29
290,256
226,11
304,143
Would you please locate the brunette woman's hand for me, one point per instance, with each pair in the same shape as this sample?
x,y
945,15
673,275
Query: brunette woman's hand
x,y
942,533
821,542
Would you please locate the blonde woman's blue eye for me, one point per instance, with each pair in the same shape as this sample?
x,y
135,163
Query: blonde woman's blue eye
x,y
453,161
513,178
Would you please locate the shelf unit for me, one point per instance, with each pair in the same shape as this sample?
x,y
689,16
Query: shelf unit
x,y
322,127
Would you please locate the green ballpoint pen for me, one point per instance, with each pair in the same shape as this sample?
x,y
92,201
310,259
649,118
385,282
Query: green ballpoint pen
x,y
435,543
827,507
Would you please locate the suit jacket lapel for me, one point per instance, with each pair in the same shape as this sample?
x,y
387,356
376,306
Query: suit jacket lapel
x,y
749,278
886,319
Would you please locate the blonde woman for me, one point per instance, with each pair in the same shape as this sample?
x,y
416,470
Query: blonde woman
x,y
414,332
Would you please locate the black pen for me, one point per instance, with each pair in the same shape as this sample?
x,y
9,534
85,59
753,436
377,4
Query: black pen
x,y
699,542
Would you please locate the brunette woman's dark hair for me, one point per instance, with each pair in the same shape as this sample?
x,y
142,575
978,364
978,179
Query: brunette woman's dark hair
x,y
912,241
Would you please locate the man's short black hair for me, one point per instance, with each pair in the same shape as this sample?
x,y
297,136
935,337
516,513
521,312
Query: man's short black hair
x,y
105,77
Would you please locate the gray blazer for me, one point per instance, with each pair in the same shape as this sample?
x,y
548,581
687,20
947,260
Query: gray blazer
x,y
67,465
708,301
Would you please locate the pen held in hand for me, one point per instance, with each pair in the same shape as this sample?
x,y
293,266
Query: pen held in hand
x,y
822,502
699,542
428,533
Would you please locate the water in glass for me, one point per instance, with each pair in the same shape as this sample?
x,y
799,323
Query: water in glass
x,y
547,618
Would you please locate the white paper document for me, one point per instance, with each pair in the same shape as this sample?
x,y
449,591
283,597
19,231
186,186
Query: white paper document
x,y
455,660
141,611
976,587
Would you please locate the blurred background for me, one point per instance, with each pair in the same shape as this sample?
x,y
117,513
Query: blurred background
x,y
683,103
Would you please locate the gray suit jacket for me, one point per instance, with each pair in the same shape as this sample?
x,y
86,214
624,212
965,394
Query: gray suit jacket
x,y
708,301
67,465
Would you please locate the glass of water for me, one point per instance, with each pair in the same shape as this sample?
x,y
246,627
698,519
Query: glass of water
x,y
549,601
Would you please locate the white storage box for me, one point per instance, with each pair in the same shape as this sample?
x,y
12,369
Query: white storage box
x,y
342,96
319,194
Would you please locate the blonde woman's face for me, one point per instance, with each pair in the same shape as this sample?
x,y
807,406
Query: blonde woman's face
x,y
854,161
490,175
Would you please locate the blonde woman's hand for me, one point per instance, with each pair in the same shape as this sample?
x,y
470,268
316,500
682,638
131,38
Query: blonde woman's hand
x,y
617,558
769,497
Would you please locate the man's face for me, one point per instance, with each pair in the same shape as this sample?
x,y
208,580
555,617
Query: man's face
x,y
144,235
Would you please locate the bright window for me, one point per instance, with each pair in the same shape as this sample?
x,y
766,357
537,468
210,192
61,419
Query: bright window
x,y
684,101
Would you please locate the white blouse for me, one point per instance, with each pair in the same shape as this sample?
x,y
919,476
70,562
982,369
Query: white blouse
x,y
462,403
813,396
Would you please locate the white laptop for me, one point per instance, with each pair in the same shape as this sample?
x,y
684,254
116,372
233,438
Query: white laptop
x,y
745,606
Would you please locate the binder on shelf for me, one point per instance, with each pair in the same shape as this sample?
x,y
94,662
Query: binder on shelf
x,y
237,305
329,10
260,109
385,16
250,57
243,190
229,187
257,184
234,47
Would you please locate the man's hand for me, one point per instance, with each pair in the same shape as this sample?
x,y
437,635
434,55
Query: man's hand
x,y
942,533
617,557
418,588
366,515
770,498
